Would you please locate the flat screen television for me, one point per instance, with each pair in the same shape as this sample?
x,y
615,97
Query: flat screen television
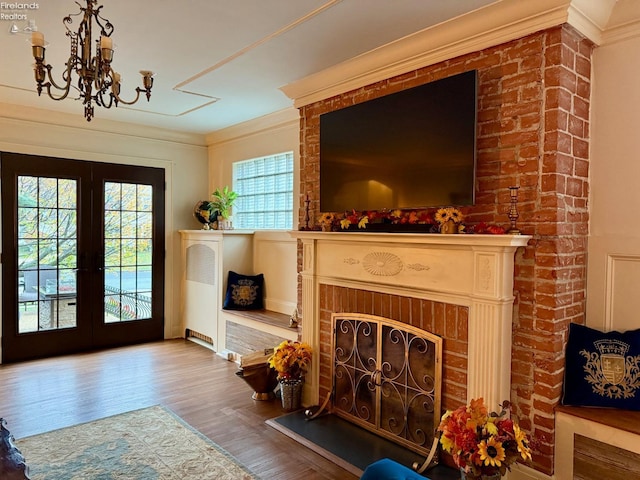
x,y
412,149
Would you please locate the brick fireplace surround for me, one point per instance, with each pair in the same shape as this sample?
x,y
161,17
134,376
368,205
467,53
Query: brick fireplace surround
x,y
533,131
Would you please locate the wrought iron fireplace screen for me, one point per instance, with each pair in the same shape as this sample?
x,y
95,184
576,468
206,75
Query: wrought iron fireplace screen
x,y
387,378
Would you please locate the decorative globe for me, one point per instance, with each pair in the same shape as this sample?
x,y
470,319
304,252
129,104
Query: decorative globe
x,y
203,214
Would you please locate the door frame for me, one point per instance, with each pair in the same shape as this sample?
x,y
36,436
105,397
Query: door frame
x,y
58,168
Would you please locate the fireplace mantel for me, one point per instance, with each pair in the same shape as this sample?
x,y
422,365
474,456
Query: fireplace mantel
x,y
475,271
514,241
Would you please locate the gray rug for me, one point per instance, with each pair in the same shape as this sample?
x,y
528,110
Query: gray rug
x,y
148,444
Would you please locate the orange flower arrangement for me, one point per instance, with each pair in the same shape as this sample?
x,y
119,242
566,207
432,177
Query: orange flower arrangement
x,y
483,443
291,360
443,215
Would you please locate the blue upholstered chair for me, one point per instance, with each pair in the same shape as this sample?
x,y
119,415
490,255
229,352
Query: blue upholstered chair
x,y
387,469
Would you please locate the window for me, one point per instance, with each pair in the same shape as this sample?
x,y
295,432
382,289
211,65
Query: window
x,y
265,192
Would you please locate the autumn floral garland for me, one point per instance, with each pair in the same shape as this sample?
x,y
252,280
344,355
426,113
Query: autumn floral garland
x,y
330,221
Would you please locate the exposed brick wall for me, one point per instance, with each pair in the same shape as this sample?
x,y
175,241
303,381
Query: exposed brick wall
x,y
533,131
450,322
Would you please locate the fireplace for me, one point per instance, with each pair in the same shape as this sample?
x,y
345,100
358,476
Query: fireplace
x,y
459,286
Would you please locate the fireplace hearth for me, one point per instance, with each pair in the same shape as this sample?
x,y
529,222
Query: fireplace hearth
x,y
350,446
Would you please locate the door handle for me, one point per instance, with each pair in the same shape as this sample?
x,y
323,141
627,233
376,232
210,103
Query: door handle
x,y
82,264
99,262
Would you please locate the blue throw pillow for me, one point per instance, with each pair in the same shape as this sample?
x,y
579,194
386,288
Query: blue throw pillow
x,y
244,292
602,369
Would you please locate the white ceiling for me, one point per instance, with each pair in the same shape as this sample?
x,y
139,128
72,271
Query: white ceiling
x,y
217,62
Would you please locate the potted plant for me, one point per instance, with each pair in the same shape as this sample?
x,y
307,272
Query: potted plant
x,y
222,202
483,445
291,360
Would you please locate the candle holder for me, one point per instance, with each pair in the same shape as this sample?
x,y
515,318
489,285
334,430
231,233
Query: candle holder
x,y
513,211
307,217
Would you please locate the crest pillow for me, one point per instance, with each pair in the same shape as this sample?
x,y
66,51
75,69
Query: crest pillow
x,y
244,292
602,369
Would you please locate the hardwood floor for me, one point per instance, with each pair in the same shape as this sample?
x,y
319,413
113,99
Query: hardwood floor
x,y
189,379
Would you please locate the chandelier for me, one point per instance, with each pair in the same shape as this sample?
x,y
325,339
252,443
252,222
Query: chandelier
x,y
97,82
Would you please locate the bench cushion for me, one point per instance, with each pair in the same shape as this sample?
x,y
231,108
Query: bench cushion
x,y
244,292
602,368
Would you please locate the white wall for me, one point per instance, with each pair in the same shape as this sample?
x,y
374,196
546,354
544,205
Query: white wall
x,y
183,156
275,253
613,274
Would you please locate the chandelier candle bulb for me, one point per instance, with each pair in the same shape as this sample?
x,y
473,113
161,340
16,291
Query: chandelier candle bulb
x,y
106,42
37,39
147,81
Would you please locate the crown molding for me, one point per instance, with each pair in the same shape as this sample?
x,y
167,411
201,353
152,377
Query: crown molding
x,y
497,23
590,18
621,32
273,121
584,24
61,119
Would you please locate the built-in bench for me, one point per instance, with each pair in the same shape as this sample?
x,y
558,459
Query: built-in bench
x,y
596,443
208,257
268,317
250,330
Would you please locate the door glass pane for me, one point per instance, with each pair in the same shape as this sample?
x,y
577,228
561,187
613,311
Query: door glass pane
x,y
47,254
127,252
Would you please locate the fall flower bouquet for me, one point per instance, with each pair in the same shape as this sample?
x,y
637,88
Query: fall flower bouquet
x,y
443,215
291,360
449,219
483,443
326,221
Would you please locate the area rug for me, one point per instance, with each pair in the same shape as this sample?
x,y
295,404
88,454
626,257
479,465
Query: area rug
x,y
148,444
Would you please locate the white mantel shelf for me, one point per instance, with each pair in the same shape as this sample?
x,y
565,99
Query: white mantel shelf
x,y
475,271
422,238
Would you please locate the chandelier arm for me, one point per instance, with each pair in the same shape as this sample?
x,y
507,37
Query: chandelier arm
x,y
100,100
147,81
124,102
52,96
66,77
